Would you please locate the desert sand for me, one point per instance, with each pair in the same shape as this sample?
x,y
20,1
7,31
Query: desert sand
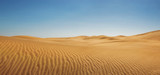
x,y
82,55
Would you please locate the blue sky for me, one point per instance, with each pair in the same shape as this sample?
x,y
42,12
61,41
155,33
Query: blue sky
x,y
65,18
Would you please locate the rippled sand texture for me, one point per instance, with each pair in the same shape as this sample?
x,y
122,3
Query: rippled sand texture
x,y
82,55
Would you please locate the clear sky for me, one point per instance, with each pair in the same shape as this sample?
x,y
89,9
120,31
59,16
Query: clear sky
x,y
65,18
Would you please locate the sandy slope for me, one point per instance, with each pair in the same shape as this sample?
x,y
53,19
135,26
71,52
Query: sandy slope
x,y
83,55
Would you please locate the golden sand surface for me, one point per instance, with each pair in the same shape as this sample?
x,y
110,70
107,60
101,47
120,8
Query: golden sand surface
x,y
82,55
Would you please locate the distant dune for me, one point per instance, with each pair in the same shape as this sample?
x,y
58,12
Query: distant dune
x,y
82,55
154,35
27,37
93,37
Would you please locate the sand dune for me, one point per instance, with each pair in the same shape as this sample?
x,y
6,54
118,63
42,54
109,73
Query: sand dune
x,y
154,35
27,37
82,55
93,37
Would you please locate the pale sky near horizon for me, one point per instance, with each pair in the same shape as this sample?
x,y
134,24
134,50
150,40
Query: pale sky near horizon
x,y
65,18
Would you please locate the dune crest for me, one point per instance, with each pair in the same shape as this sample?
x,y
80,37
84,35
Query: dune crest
x,y
154,35
26,37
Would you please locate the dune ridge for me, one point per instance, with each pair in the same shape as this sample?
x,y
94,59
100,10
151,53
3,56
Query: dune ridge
x,y
154,35
26,37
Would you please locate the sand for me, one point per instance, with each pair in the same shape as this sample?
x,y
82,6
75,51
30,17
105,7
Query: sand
x,y
82,55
